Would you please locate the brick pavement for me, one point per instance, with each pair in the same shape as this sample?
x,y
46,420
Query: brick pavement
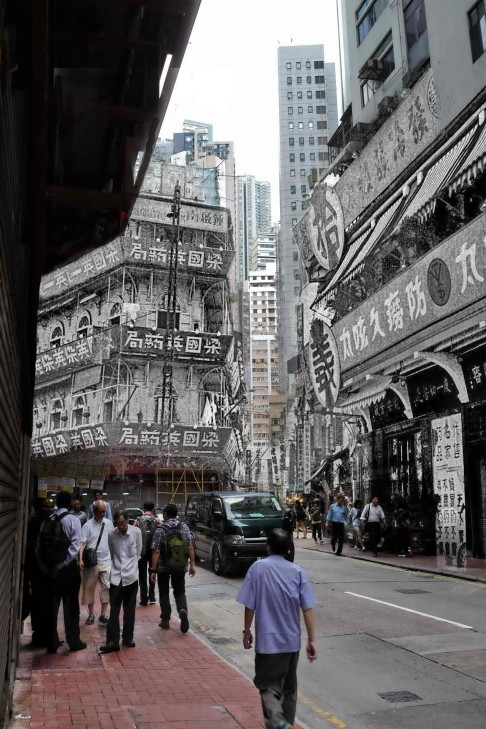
x,y
169,681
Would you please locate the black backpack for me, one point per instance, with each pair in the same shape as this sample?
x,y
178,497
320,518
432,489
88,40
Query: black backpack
x,y
52,543
148,525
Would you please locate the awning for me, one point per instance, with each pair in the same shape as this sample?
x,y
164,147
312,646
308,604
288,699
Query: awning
x,y
319,470
424,201
370,393
472,166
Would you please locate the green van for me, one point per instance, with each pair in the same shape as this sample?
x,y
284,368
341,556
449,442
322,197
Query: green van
x,y
230,528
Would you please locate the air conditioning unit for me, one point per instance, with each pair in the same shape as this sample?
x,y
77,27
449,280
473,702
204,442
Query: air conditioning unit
x,y
372,70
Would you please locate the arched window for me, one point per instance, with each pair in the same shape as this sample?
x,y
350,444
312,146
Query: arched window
x,y
115,315
84,326
56,412
57,335
77,412
109,405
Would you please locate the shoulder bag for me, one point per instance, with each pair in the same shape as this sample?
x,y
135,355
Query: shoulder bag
x,y
90,558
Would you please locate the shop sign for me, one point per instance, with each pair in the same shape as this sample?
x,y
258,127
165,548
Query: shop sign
x,y
386,411
474,368
432,390
324,365
307,452
324,226
100,261
131,435
449,278
56,361
203,259
191,216
448,472
269,472
207,347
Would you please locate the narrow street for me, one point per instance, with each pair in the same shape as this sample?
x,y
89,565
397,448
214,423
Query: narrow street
x,y
396,648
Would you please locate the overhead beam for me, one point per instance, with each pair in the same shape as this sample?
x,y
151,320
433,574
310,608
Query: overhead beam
x,y
176,7
107,41
78,197
78,108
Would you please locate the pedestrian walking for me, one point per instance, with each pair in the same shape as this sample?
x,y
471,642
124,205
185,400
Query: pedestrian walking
x,y
147,523
125,543
337,516
315,518
274,592
78,511
32,602
95,562
357,524
373,518
172,547
288,525
57,553
99,497
301,518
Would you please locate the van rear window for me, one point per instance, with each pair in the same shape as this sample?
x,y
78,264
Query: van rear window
x,y
252,507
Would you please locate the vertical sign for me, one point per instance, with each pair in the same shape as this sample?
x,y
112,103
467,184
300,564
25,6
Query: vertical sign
x,y
270,473
307,455
448,469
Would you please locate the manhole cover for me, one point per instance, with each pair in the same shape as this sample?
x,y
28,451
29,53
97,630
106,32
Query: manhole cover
x,y
398,697
414,592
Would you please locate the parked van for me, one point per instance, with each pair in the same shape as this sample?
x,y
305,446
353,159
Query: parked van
x,y
230,528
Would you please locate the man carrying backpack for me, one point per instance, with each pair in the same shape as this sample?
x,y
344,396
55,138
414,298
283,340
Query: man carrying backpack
x,y
56,551
147,523
171,548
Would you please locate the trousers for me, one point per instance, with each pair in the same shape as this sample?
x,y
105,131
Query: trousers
x,y
146,592
126,596
178,582
337,535
64,587
276,680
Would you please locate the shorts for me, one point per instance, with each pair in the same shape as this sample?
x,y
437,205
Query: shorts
x,y
91,577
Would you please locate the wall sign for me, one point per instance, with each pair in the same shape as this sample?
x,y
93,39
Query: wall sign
x,y
432,390
324,222
387,411
324,365
448,471
474,368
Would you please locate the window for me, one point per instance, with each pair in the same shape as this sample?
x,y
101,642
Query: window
x,y
289,66
416,22
322,124
291,125
293,205
293,189
292,173
301,141
290,110
477,30
303,205
318,64
299,80
290,96
367,14
302,172
307,64
57,335
298,65
162,319
321,156
115,315
321,140
299,94
302,157
291,141
312,155
311,141
320,109
309,94
296,275
300,109
56,414
77,412
320,94
296,290
291,157
308,79
84,326
310,109
303,188
301,125
310,124
319,79
295,255
294,222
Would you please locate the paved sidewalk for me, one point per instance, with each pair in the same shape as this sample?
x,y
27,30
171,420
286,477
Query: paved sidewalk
x,y
475,569
169,681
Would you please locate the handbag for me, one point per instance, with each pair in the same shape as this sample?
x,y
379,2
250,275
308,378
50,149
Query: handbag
x,y
90,558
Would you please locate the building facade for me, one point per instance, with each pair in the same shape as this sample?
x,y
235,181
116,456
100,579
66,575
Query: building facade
x,y
307,117
134,393
396,274
253,211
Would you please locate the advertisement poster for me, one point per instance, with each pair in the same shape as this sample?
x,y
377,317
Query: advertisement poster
x,y
448,471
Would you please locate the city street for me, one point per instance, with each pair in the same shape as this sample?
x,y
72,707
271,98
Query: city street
x,y
397,649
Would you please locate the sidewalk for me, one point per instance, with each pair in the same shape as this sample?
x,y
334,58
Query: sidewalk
x,y
475,569
169,681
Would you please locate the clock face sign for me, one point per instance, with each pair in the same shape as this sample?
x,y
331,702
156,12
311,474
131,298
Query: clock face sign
x,y
439,282
325,226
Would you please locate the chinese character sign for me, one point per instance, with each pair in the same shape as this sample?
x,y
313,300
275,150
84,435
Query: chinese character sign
x,y
324,363
448,471
325,226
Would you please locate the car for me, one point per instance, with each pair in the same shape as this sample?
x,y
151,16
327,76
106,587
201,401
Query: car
x,y
133,514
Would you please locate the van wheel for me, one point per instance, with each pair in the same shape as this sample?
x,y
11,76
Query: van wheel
x,y
218,565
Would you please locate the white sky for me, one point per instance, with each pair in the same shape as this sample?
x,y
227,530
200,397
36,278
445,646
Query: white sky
x,y
229,74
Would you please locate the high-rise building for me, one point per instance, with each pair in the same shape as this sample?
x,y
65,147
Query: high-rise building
x,y
193,139
263,206
263,250
253,215
307,117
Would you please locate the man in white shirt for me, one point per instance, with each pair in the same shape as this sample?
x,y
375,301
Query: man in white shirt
x,y
125,543
94,535
373,517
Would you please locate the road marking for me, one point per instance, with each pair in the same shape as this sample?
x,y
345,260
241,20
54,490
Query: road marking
x,y
326,715
409,610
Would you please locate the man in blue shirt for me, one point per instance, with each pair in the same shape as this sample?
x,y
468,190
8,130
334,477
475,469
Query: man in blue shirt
x,y
274,592
337,516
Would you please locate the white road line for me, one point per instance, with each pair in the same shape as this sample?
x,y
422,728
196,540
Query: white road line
x,y
409,610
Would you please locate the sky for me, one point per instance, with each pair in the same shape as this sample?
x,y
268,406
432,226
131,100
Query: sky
x,y
228,76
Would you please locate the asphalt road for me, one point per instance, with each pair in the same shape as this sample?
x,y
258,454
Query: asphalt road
x,y
397,650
